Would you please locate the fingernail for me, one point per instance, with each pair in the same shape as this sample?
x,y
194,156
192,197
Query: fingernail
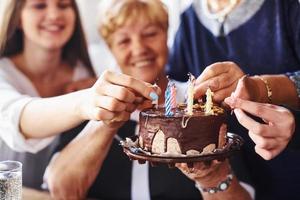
x,y
153,96
229,101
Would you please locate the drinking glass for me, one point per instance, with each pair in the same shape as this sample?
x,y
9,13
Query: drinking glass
x,y
10,180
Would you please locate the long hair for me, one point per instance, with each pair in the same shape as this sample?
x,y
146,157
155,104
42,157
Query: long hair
x,y
12,41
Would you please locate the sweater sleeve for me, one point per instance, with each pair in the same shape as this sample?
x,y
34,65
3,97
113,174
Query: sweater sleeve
x,y
294,143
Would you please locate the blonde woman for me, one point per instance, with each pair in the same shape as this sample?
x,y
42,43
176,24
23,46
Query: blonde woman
x,y
136,32
43,53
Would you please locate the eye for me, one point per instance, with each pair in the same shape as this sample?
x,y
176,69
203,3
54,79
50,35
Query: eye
x,y
151,32
64,4
123,42
39,6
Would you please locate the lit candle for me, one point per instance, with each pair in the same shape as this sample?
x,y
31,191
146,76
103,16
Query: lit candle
x,y
209,103
173,95
168,106
190,94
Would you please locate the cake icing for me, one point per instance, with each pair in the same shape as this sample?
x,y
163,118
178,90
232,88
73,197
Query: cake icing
x,y
182,134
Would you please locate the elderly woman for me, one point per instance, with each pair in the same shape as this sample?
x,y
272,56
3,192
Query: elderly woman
x,y
136,32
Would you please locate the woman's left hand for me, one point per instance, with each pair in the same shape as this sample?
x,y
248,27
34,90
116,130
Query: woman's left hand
x,y
221,78
270,137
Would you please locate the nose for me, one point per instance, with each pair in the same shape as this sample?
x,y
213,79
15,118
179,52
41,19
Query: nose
x,y
53,12
139,46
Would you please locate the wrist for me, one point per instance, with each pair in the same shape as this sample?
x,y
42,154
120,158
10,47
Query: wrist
x,y
80,100
216,176
264,90
222,186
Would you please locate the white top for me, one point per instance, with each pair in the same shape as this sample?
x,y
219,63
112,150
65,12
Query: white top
x,y
16,90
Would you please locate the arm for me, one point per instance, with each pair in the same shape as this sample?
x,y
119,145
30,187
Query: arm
x,y
276,129
210,175
223,77
45,117
72,172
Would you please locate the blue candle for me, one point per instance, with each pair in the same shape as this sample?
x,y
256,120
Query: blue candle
x,y
168,103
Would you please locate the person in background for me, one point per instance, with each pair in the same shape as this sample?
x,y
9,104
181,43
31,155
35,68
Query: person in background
x,y
43,56
222,40
136,32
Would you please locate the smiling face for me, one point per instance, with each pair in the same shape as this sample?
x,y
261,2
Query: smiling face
x,y
140,48
48,24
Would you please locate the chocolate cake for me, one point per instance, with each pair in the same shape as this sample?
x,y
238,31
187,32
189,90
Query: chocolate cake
x,y
182,134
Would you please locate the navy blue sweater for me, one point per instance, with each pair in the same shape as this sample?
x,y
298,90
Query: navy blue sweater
x,y
267,43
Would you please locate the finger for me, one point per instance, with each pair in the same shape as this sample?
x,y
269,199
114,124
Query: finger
x,y
122,117
268,112
141,87
242,88
130,107
110,104
263,142
220,95
251,124
119,92
266,154
218,82
139,99
101,114
119,117
212,71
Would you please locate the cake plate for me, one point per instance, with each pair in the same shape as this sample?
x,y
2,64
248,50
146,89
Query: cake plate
x,y
233,144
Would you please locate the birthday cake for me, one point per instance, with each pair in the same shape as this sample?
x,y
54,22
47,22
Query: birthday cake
x,y
182,133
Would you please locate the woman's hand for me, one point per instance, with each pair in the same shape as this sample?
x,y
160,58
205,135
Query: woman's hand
x,y
80,85
114,97
221,78
270,137
199,171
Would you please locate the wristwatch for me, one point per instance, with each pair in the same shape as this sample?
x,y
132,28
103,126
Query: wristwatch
x,y
222,186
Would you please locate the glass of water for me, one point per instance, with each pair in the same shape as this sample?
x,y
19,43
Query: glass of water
x,y
10,180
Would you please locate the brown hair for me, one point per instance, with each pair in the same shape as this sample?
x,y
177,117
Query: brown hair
x,y
115,13
11,37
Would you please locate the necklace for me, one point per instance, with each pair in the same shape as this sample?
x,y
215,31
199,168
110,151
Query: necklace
x,y
221,15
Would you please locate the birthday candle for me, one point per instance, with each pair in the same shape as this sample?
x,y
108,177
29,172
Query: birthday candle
x,y
209,102
173,95
190,95
168,106
155,102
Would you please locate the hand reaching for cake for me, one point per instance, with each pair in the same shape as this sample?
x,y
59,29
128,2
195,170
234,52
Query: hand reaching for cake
x,y
221,78
115,97
270,137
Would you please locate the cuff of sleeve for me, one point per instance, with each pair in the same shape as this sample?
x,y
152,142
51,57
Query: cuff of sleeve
x,y
294,143
10,131
295,77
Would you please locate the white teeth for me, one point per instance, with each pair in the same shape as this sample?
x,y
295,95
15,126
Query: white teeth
x,y
143,63
52,28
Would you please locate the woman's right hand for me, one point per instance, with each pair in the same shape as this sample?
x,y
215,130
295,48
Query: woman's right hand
x,y
114,97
